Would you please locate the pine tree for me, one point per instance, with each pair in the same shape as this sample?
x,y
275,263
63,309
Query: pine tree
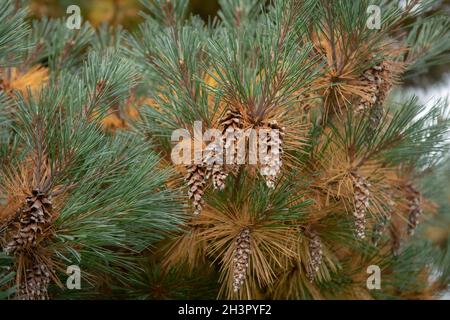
x,y
88,176
350,152
70,193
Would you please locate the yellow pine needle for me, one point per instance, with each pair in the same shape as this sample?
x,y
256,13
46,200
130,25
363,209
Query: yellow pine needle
x,y
33,79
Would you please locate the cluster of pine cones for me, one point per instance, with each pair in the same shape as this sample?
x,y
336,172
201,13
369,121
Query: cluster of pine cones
x,y
31,221
231,124
198,174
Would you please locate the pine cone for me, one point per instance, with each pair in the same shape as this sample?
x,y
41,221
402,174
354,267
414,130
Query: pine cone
x,y
375,116
36,285
315,255
197,178
396,242
217,168
231,125
361,199
32,219
415,210
219,176
271,164
379,229
241,258
379,82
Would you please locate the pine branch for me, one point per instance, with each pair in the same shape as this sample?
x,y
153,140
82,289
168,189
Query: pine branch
x,y
13,33
429,45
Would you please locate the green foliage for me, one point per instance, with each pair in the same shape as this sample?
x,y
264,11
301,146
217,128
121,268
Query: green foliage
x,y
6,276
409,134
13,33
110,192
237,13
429,42
58,46
153,282
118,202
166,12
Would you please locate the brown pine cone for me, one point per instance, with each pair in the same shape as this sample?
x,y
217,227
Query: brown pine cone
x,y
32,219
415,209
214,161
241,258
379,81
197,178
315,255
273,143
231,125
379,229
361,202
36,285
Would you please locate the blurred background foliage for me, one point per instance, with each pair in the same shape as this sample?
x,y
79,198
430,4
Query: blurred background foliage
x,y
126,13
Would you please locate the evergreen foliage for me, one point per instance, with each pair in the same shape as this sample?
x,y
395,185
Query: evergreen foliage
x,y
85,154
